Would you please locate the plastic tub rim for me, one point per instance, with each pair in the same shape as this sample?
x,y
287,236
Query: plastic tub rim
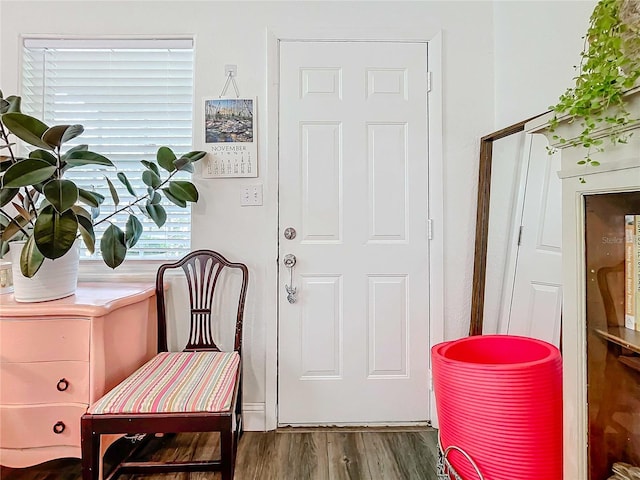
x,y
552,352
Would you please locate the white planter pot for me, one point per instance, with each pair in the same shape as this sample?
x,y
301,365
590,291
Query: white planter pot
x,y
56,278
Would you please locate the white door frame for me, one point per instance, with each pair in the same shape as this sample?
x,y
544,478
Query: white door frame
x,y
436,177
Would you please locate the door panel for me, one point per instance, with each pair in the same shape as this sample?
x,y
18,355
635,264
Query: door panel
x,y
321,326
322,197
387,326
536,303
354,347
387,167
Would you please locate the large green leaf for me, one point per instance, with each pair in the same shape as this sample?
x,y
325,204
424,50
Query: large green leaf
x,y
26,128
125,181
14,103
177,201
10,104
7,194
62,194
85,225
133,231
81,212
157,214
151,166
165,158
59,134
155,199
44,155
30,258
184,190
78,158
195,155
27,172
184,164
93,199
113,191
113,246
150,178
5,162
76,148
55,232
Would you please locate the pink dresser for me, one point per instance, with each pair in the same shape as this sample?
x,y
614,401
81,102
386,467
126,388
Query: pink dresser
x,y
57,357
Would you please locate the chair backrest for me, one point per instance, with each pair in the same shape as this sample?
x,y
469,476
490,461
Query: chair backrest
x,y
612,297
202,269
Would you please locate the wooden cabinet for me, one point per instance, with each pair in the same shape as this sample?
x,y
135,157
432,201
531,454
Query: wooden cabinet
x,y
613,382
58,357
600,389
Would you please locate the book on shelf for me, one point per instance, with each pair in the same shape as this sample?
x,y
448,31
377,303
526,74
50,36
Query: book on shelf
x,y
629,270
636,269
632,271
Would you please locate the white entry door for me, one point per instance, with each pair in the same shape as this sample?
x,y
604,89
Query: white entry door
x,y
535,306
354,344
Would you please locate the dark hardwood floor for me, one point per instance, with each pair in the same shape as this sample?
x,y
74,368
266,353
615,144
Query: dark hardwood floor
x,y
289,454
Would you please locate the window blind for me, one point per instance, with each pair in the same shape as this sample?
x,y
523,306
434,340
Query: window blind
x,y
132,97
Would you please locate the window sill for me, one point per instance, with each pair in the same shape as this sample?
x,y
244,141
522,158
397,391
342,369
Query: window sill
x,y
130,271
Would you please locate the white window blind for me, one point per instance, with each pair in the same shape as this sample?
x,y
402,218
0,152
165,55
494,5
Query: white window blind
x,y
132,97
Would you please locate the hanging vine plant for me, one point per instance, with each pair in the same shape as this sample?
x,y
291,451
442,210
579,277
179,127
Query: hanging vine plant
x,y
609,66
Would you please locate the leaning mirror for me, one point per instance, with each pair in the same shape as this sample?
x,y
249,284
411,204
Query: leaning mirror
x,y
517,270
505,142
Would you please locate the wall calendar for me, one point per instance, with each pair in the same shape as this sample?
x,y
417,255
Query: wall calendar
x,y
230,136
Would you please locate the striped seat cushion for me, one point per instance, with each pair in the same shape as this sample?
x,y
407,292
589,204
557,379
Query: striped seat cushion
x,y
175,382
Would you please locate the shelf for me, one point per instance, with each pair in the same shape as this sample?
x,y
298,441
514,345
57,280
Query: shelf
x,y
622,336
631,362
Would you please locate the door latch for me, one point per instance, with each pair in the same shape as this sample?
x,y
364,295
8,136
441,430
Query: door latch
x,y
289,262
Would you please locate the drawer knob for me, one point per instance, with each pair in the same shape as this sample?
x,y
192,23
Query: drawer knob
x,y
63,384
58,428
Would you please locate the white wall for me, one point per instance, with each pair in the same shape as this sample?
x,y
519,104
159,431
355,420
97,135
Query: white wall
x,y
537,43
485,83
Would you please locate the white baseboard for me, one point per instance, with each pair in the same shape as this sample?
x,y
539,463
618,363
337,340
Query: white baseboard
x,y
253,417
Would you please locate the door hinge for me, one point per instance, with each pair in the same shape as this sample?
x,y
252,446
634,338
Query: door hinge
x,y
428,82
430,229
520,236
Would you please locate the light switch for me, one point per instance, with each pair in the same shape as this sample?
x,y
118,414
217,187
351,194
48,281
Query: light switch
x,y
251,195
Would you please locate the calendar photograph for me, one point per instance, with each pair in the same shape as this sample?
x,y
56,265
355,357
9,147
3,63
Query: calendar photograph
x,y
229,125
229,120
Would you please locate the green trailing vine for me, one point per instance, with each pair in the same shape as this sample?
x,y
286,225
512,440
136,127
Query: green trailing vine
x,y
609,66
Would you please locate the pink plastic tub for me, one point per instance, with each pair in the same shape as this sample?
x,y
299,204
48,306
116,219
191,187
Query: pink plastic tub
x,y
499,398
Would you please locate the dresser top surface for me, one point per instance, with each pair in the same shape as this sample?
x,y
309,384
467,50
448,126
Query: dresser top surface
x,y
90,299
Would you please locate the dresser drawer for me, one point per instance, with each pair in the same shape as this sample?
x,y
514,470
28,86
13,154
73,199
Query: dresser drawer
x,y
33,426
24,340
44,382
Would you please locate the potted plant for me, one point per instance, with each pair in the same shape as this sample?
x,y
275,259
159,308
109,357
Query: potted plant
x,y
50,212
609,66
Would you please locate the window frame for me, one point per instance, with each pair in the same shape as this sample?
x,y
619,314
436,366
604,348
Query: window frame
x,y
142,267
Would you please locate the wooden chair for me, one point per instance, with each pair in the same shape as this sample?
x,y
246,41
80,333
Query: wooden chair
x,y
196,390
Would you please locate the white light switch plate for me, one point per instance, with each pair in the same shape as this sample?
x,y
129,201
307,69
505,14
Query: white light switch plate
x,y
251,195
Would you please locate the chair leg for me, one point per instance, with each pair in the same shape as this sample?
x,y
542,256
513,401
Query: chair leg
x,y
238,410
227,453
90,447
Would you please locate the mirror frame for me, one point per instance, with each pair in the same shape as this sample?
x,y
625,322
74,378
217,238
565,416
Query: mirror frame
x,y
482,222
